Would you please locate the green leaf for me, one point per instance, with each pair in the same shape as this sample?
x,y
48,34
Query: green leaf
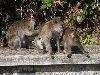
x,y
46,4
23,1
43,7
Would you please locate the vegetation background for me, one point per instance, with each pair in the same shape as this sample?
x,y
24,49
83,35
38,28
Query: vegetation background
x,y
84,15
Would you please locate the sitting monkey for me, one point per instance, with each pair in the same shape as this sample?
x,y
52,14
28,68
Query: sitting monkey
x,y
17,32
72,43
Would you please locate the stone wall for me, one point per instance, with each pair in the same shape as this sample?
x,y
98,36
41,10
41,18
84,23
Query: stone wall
x,y
45,65
70,69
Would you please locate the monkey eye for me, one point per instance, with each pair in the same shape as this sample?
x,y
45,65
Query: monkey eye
x,y
39,38
56,21
29,27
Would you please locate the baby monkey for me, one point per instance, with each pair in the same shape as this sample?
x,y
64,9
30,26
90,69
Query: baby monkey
x,y
72,43
50,30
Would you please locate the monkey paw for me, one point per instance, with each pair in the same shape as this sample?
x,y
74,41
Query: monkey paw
x,y
69,55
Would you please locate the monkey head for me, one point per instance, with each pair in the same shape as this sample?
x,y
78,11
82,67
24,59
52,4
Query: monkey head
x,y
39,42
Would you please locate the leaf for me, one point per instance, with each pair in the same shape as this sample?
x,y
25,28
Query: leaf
x,y
46,4
23,1
43,7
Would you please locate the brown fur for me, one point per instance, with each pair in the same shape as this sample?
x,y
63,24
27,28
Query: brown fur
x,y
71,41
51,29
18,30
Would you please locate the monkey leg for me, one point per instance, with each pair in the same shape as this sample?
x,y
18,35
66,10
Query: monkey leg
x,y
14,43
17,43
67,49
10,44
48,47
58,43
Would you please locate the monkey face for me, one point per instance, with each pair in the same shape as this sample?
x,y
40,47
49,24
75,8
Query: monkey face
x,y
75,37
30,30
39,43
32,23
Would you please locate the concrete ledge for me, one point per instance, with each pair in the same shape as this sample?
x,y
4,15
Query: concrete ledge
x,y
46,60
14,60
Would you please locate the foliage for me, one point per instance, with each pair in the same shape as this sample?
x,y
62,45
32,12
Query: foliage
x,y
12,8
88,40
46,4
73,18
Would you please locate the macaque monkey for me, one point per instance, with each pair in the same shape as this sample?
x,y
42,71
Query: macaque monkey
x,y
17,32
50,30
72,43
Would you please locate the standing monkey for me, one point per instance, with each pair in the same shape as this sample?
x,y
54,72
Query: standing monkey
x,y
50,30
72,43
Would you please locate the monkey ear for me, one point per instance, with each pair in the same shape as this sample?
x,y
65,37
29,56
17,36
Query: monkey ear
x,y
31,13
56,20
39,38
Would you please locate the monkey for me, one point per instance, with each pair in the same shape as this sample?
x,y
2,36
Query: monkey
x,y
17,32
72,43
50,30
